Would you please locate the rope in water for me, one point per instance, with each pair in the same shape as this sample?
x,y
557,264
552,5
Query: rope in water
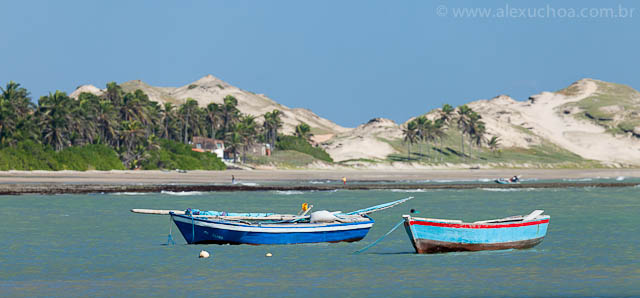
x,y
170,239
380,239
193,231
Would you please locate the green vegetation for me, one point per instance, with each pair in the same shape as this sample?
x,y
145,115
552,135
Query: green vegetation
x,y
126,130
445,140
302,145
174,155
542,155
303,131
615,107
288,159
32,156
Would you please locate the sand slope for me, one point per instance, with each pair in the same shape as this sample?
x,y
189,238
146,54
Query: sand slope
x,y
544,117
551,118
210,89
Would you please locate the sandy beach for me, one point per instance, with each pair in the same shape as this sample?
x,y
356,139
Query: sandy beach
x,y
205,177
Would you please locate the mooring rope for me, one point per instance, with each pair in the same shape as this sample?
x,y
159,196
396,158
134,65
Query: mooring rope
x,y
193,231
380,239
170,239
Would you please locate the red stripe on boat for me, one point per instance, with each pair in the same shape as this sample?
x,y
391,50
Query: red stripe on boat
x,y
476,226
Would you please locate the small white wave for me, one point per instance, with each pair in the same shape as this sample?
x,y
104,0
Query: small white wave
x,y
249,184
130,193
289,192
443,181
181,193
319,182
408,190
620,178
485,180
578,179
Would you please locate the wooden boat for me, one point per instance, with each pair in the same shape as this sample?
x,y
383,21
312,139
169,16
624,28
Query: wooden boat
x,y
442,235
213,227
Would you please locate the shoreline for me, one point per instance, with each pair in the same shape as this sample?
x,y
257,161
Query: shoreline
x,y
207,177
52,189
73,182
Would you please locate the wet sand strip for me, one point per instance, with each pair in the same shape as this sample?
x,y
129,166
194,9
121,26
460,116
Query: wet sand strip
x,y
62,188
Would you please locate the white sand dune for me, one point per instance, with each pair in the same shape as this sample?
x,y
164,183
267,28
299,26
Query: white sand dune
x,y
210,89
543,119
364,141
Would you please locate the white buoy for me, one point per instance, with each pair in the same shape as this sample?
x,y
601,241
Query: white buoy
x,y
204,254
268,254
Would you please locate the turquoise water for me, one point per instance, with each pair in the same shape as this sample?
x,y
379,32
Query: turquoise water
x,y
91,245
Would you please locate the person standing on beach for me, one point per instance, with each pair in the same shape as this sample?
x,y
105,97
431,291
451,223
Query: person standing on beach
x,y
344,180
233,179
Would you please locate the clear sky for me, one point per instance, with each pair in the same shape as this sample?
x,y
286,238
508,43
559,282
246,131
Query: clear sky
x,y
348,61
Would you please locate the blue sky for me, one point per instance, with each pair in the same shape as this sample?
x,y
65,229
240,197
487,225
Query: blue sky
x,y
348,61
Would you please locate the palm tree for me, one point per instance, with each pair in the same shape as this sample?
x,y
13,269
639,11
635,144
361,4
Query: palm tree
x,y
494,143
16,110
446,113
213,116
229,112
421,122
429,134
476,130
83,124
154,112
303,130
106,121
272,123
55,119
5,119
114,93
170,131
233,140
464,121
188,111
132,136
248,131
410,135
135,107
438,131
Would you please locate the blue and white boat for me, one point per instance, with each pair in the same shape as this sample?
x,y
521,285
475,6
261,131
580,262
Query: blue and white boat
x,y
430,235
200,230
214,227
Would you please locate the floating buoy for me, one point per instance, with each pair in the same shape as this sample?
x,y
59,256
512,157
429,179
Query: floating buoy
x,y
268,254
204,254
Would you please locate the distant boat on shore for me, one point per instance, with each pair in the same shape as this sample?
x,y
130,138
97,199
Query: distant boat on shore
x,y
444,235
512,180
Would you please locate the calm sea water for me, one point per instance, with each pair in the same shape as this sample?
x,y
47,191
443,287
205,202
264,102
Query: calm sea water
x,y
91,245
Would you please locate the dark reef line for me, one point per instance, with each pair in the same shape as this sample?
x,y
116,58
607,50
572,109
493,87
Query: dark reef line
x,y
62,188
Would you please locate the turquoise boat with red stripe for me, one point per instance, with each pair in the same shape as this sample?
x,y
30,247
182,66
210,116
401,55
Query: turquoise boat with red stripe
x,y
430,235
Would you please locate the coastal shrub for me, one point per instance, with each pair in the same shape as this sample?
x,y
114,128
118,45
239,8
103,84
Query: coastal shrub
x,y
301,145
27,156
173,155
89,157
31,156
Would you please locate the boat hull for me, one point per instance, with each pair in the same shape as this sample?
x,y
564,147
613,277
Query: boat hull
x,y
426,246
202,231
430,236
